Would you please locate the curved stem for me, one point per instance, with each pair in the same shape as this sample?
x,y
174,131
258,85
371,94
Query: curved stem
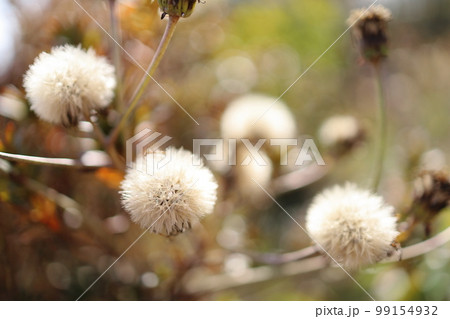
x,y
164,43
97,131
423,247
112,152
214,283
382,127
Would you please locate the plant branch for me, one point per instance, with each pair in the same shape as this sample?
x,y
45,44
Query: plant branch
x,y
160,51
215,283
116,53
300,178
202,284
47,161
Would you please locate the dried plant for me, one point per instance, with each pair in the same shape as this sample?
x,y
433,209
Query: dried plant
x,y
69,206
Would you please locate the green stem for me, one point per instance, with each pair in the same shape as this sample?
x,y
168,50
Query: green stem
x,y
382,127
165,40
116,54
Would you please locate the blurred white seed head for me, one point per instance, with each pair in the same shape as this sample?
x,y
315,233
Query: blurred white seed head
x,y
339,130
250,178
256,116
369,28
353,225
174,197
61,83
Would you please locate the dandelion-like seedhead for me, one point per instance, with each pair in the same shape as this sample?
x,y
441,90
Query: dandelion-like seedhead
x,y
67,81
174,197
258,116
353,225
369,29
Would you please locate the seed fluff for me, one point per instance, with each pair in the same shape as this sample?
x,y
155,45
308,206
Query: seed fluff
x,y
64,83
171,198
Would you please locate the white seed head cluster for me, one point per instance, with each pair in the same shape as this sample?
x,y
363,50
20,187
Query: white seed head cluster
x,y
378,12
258,116
61,83
174,197
353,225
339,129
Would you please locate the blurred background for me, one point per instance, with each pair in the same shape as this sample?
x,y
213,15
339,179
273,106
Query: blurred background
x,y
61,228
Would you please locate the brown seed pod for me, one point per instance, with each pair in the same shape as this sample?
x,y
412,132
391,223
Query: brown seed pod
x,y
369,28
178,8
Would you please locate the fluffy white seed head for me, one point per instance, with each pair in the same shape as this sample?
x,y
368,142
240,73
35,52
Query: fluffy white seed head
x,y
173,197
61,83
353,225
375,12
339,129
258,116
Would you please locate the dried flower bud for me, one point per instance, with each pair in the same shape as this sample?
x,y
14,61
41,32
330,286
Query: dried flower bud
x,y
369,29
178,8
355,226
249,178
432,190
256,116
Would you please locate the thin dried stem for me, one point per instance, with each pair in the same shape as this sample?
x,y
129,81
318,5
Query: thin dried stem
x,y
215,283
423,247
97,131
382,127
300,178
277,259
